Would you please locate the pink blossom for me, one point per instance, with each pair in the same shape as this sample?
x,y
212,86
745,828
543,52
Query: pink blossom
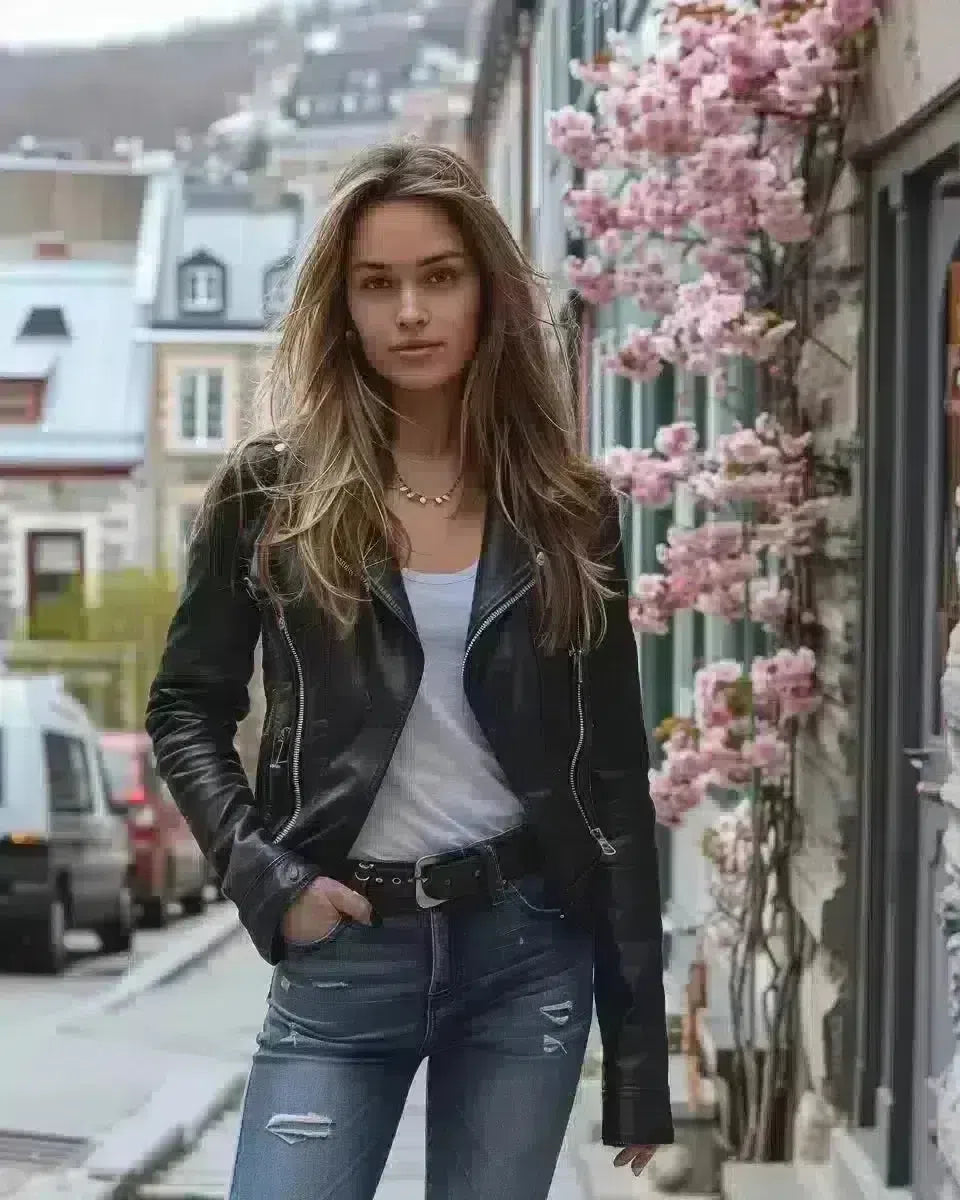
x,y
769,754
850,16
671,800
638,358
769,603
710,692
788,680
678,440
593,281
650,606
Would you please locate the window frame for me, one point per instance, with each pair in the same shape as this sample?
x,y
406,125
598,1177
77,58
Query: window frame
x,y
30,409
202,266
200,441
73,744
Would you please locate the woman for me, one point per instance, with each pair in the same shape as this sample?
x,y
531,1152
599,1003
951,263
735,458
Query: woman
x,y
449,851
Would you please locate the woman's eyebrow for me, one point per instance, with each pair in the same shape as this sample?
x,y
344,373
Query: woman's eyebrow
x,y
430,261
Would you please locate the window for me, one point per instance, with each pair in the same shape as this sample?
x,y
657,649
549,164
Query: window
x,y
55,571
201,407
45,323
68,774
21,401
948,598
202,285
326,106
204,289
50,248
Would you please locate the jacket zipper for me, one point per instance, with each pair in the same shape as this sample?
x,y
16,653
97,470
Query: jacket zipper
x,y
298,733
489,619
301,710
595,831
279,746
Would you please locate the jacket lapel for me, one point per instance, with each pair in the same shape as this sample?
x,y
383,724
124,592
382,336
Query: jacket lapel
x,y
387,583
506,564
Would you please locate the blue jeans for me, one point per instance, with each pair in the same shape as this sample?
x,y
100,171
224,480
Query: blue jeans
x,y
499,1000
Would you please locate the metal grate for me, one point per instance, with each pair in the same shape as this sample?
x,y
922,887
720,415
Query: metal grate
x,y
40,1151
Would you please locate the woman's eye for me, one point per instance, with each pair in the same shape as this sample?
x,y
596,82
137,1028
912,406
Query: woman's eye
x,y
444,275
376,283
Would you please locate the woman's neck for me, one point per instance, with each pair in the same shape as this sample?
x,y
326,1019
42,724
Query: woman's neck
x,y
427,425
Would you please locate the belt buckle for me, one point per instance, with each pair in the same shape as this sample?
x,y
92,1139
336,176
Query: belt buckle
x,y
428,860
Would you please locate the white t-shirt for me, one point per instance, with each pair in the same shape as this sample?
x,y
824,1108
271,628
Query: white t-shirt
x,y
444,788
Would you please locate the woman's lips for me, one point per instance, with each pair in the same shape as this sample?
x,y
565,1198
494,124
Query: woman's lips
x,y
415,354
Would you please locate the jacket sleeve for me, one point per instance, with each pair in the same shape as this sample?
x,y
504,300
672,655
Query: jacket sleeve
x,y
199,696
628,972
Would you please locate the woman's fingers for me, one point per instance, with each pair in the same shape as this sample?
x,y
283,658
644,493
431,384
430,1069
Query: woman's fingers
x,y
636,1156
349,902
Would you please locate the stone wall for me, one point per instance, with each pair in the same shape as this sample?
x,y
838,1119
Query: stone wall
x,y
827,769
914,62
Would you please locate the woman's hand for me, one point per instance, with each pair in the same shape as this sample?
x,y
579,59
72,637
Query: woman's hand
x,y
320,906
637,1156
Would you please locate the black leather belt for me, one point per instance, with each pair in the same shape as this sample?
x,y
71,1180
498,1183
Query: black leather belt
x,y
394,888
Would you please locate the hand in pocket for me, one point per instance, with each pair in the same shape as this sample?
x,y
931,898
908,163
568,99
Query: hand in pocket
x,y
320,907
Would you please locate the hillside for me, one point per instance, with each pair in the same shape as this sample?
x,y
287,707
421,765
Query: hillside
x,y
150,88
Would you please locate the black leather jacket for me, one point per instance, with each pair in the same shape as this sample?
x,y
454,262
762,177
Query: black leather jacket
x,y
566,728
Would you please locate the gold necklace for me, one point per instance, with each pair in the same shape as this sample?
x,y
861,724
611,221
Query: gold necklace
x,y
410,493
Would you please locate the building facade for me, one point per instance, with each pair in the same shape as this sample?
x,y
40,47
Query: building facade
x,y
876,877
79,272
902,1129
227,264
371,71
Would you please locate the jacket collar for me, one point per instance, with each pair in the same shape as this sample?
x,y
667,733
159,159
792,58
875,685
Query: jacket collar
x,y
506,564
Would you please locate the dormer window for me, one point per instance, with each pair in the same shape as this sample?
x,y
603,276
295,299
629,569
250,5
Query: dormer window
x,y
202,281
44,323
277,288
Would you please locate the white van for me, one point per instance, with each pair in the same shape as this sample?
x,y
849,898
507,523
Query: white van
x,y
65,858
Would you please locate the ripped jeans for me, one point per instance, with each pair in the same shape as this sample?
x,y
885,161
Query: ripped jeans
x,y
498,1000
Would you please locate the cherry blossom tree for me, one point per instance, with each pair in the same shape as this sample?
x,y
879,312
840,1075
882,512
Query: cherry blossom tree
x,y
706,176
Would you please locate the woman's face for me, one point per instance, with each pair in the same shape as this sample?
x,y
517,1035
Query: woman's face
x,y
414,294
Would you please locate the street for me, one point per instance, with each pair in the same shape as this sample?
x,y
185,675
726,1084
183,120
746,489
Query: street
x,y
93,1098
67,1075
28,996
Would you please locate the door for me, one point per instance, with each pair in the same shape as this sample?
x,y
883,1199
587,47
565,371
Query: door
x,y
933,1036
55,570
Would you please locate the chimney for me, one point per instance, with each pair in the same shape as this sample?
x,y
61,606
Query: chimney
x,y
50,246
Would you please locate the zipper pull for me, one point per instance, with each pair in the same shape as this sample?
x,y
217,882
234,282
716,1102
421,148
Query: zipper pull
x,y
605,846
278,760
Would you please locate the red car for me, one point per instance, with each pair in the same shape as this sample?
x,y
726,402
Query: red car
x,y
168,864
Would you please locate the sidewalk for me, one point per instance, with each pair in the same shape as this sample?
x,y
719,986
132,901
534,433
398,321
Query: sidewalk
x,y
204,1173
585,1170
134,1087
71,1078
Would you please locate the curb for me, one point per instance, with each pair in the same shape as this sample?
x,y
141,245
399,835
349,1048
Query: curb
x,y
159,968
170,1123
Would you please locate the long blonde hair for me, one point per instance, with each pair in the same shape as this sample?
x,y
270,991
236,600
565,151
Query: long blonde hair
x,y
326,510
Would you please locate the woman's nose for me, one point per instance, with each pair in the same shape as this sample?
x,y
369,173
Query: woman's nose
x,y
411,311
